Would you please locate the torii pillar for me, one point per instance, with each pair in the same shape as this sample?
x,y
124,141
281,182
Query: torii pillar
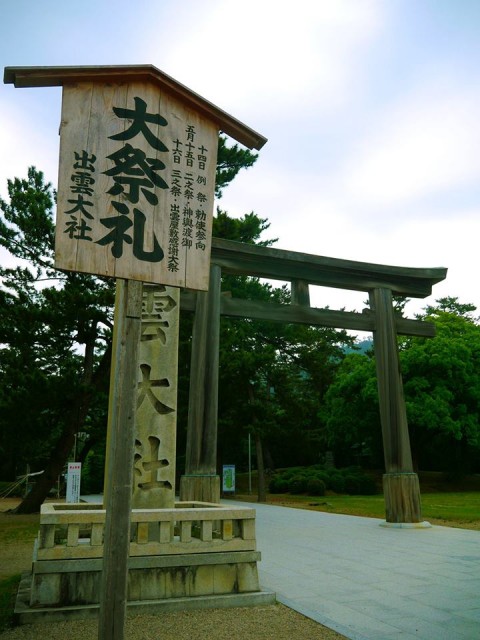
x,y
201,481
400,484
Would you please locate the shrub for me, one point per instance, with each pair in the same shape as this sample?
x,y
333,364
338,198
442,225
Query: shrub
x,y
315,480
337,482
324,476
278,484
298,484
360,484
315,487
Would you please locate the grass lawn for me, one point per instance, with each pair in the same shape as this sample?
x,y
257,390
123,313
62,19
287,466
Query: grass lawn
x,y
449,509
453,508
8,593
17,535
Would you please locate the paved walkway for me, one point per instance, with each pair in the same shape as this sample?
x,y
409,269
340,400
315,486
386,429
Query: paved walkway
x,y
369,582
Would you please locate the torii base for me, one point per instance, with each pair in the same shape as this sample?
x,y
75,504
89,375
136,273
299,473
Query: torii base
x,y
200,488
402,498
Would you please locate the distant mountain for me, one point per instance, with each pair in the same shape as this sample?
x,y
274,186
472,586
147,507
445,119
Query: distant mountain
x,y
362,346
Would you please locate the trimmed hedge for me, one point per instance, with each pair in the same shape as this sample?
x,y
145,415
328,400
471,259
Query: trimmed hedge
x,y
315,480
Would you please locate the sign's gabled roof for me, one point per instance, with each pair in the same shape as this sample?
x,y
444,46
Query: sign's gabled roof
x,y
58,76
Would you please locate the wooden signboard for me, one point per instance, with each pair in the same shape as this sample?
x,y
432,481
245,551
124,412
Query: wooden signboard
x,y
138,154
136,185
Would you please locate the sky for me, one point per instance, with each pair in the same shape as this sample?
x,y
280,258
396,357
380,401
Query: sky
x,y
371,110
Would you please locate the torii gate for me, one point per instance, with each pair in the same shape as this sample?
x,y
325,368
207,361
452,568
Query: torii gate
x,y
381,282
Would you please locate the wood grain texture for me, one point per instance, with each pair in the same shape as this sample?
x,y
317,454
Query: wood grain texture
x,y
278,264
201,451
120,441
157,226
393,415
402,497
259,310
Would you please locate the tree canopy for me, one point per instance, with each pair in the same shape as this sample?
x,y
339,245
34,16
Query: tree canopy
x,y
55,332
442,393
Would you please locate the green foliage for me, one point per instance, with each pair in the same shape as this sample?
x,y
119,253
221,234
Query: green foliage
x,y
350,412
230,160
298,484
360,484
279,484
441,379
55,329
314,480
337,482
8,593
249,228
442,376
316,487
27,230
47,319
93,470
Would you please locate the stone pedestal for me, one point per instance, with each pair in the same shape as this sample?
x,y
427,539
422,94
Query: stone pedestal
x,y
195,555
73,582
156,417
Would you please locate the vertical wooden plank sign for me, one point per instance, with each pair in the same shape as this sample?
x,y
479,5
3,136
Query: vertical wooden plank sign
x,y
121,431
138,154
137,185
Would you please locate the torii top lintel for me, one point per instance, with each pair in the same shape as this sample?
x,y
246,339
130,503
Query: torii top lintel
x,y
59,76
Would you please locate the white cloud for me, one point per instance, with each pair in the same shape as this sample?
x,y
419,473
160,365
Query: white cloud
x,y
423,146
271,55
27,138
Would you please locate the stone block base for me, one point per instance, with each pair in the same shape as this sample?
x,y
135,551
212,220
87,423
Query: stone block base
x,y
25,614
77,581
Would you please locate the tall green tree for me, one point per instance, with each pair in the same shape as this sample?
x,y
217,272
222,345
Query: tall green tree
x,y
442,385
55,329
351,413
441,380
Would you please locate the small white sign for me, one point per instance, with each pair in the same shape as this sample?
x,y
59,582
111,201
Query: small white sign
x,y
228,478
73,481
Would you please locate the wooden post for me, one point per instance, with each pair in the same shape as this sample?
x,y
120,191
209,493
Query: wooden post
x,y
300,293
201,481
401,488
120,445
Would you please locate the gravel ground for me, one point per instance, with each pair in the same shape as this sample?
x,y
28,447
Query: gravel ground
x,y
275,622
